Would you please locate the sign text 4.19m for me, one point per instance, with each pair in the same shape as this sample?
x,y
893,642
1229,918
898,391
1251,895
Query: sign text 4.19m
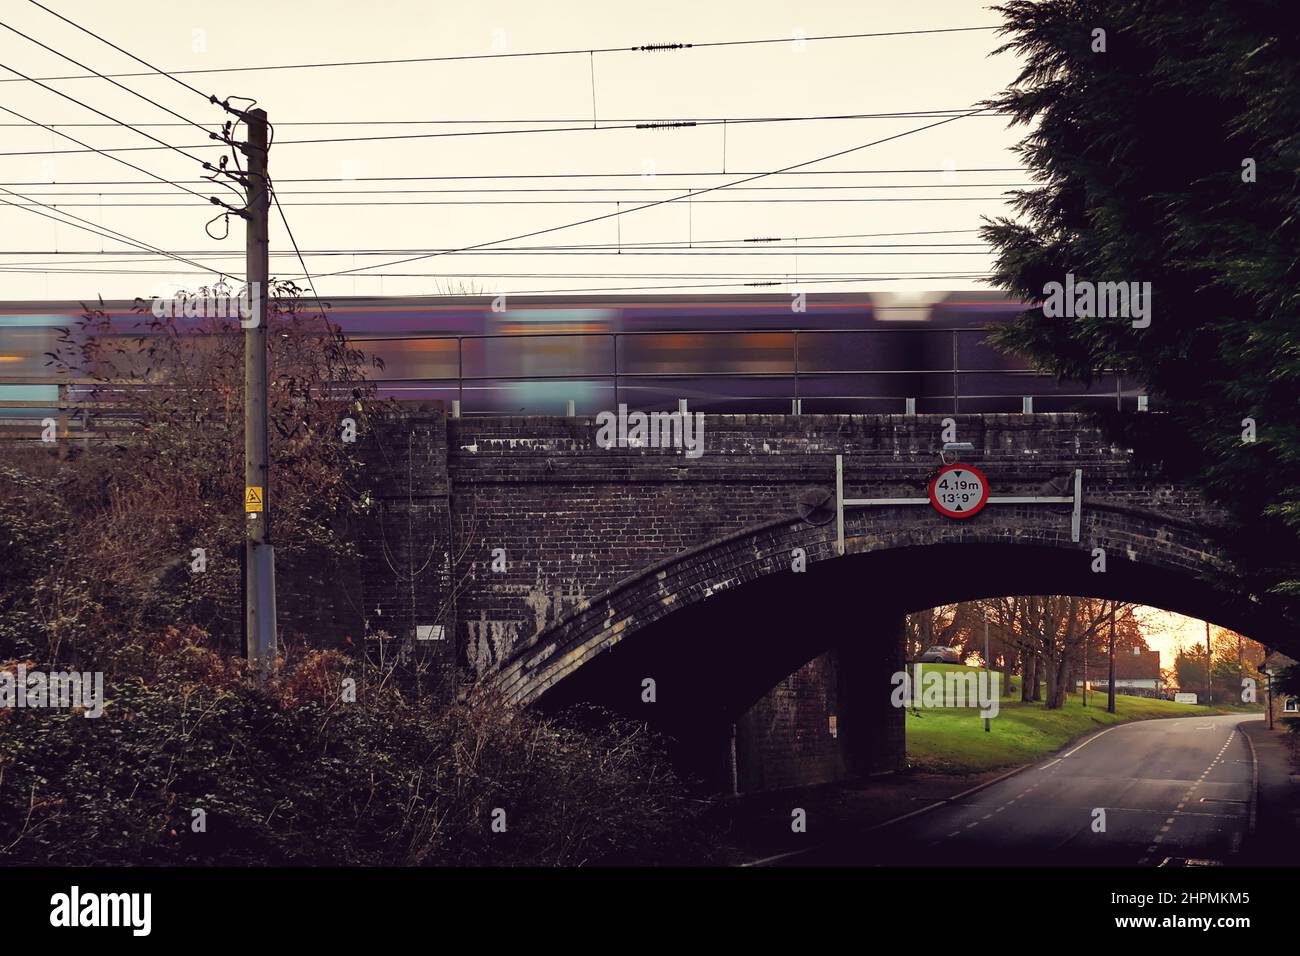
x,y
959,491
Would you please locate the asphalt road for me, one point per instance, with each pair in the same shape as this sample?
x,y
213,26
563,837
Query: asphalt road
x,y
1171,790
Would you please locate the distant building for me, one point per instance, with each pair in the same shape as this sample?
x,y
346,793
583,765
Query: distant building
x,y
1279,705
1136,674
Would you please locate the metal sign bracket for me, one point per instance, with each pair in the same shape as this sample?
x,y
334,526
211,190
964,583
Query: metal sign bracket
x,y
1076,518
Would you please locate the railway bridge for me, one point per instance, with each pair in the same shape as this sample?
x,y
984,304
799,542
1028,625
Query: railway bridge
x,y
535,555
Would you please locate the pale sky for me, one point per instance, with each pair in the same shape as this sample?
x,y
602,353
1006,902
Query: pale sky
x,y
948,71
887,74
1165,631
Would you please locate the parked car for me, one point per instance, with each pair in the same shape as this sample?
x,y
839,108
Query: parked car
x,y
939,655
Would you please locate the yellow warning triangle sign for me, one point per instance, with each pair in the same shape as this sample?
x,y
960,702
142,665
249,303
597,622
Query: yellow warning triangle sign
x,y
253,498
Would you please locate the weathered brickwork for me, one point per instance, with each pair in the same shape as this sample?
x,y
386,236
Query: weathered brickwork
x,y
791,736
407,608
584,526
598,545
831,718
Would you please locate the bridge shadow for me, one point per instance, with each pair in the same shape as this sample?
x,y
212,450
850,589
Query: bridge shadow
x,y
710,661
726,651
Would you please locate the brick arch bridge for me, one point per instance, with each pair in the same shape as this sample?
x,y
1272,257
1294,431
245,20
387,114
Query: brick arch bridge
x,y
621,564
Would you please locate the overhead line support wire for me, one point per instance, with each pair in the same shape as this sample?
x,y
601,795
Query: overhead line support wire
x,y
120,86
156,70
103,232
650,47
107,154
660,202
612,127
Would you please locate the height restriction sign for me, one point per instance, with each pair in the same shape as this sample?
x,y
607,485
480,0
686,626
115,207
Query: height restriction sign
x,y
959,491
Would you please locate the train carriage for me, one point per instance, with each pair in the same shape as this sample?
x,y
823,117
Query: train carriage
x,y
844,352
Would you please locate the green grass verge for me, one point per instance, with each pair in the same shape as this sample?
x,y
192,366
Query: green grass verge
x,y
952,740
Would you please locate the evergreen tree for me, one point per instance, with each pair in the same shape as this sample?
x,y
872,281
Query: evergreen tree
x,y
1165,143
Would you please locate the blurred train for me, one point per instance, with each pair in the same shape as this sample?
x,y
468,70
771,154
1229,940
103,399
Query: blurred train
x,y
847,352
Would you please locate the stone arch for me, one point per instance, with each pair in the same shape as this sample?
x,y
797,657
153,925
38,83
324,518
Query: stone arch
x,y
897,559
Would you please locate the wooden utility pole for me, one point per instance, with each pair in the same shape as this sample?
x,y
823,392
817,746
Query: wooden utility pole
x,y
1110,677
259,565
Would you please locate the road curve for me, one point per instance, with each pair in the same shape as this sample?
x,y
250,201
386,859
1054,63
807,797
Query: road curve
x,y
1138,794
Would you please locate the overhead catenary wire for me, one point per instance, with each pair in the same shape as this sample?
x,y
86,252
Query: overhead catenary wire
x,y
154,69
550,202
79,222
848,250
165,109
140,169
289,230
739,276
105,233
465,191
765,247
979,276
105,152
756,256
762,280
685,253
654,243
520,121
689,124
391,61
485,176
78,265
621,212
109,256
376,269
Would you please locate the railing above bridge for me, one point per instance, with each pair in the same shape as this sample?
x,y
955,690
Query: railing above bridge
x,y
736,370
800,371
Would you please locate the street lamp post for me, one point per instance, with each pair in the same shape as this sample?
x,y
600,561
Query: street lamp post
x,y
1085,669
1209,687
988,665
1110,677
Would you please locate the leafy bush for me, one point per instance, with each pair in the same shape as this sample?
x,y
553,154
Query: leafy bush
x,y
293,775
95,552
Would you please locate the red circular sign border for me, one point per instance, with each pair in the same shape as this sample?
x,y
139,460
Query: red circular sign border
x,y
984,498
